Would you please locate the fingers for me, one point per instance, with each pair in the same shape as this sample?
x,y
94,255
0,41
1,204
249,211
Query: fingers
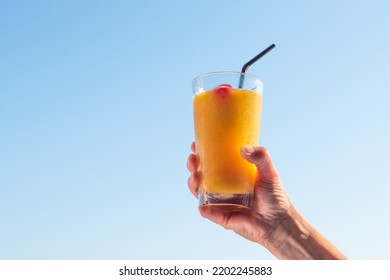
x,y
193,183
192,166
193,147
260,157
215,215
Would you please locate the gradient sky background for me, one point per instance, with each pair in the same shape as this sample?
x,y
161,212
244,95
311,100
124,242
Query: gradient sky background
x,y
96,122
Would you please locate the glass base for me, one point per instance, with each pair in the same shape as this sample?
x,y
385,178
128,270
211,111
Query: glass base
x,y
226,202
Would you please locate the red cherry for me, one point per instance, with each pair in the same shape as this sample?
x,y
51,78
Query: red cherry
x,y
225,85
223,90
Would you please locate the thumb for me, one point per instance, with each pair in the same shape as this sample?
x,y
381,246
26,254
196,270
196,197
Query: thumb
x,y
260,157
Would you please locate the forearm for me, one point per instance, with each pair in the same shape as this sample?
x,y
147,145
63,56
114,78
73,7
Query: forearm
x,y
296,239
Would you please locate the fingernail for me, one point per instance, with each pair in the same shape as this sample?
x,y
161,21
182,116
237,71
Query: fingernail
x,y
248,150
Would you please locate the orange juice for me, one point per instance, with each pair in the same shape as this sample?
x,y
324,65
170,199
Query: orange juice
x,y
226,119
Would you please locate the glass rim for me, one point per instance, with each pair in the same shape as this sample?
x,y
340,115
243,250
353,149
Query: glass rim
x,y
227,73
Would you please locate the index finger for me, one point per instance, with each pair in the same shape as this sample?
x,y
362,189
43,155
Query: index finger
x,y
193,147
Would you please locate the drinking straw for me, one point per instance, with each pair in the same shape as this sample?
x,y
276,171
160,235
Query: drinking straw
x,y
250,62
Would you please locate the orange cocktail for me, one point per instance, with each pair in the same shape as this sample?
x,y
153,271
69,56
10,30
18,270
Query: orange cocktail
x,y
226,118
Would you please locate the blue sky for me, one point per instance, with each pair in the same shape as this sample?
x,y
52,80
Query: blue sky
x,y
96,122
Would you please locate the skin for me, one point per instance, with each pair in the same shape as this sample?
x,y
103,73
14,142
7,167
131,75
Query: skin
x,y
273,221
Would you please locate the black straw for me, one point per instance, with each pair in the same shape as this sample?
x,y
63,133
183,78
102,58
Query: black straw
x,y
253,60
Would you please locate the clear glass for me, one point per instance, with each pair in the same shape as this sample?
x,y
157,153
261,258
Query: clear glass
x,y
227,114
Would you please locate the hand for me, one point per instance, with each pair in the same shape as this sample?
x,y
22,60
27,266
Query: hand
x,y
271,204
272,221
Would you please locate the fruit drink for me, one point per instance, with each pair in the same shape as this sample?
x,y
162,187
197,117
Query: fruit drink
x,y
226,119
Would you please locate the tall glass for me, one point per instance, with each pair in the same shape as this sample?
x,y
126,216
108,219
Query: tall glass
x,y
227,113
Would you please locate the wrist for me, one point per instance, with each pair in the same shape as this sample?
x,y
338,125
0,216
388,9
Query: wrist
x,y
279,240
295,238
